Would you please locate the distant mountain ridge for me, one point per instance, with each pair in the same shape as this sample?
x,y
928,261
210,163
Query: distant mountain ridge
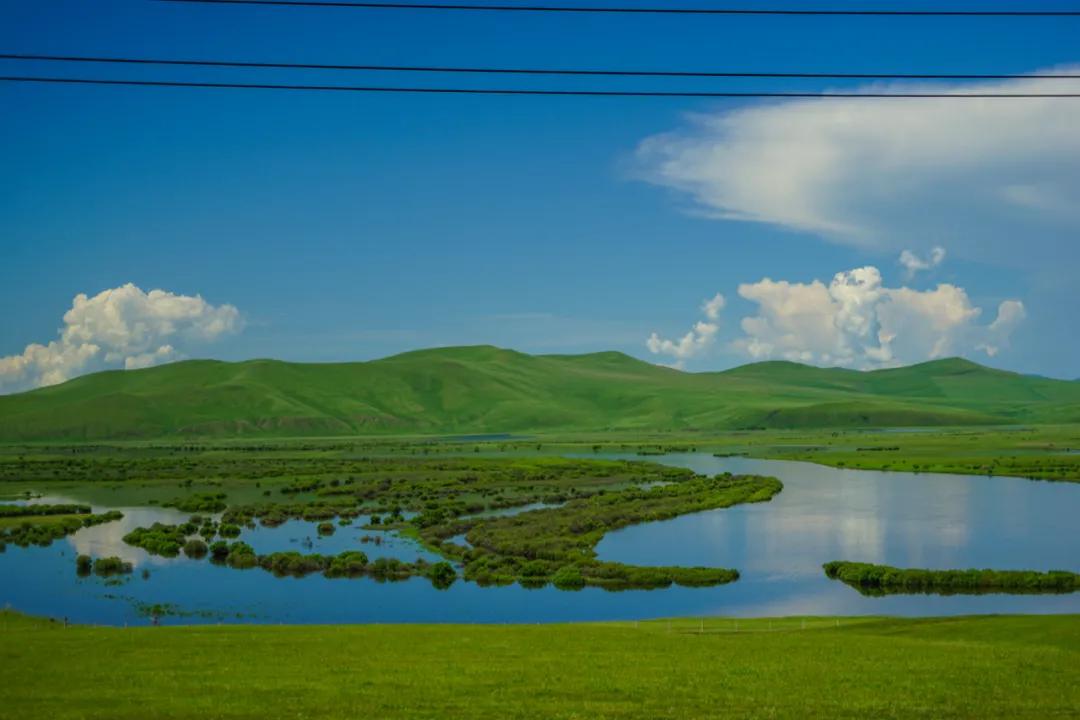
x,y
482,389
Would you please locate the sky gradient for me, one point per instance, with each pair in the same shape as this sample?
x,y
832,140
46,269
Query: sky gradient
x,y
352,227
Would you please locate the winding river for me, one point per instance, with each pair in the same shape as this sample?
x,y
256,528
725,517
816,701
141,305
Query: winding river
x,y
902,519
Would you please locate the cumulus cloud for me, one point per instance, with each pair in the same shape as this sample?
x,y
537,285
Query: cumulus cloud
x,y
122,327
713,306
915,264
1010,314
878,173
857,321
695,342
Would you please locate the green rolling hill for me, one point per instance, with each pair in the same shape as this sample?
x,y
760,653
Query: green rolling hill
x,y
485,389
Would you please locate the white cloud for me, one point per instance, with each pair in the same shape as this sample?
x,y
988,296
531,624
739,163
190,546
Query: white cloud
x,y
980,175
1010,314
121,327
164,354
695,342
914,264
713,306
857,321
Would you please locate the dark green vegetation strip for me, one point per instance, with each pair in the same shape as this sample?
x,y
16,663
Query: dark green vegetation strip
x,y
43,529
981,667
486,389
10,511
885,580
103,567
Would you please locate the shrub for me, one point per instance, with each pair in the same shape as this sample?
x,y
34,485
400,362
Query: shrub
x,y
111,566
203,502
195,548
241,555
386,568
568,577
535,569
442,575
158,539
293,563
84,564
347,564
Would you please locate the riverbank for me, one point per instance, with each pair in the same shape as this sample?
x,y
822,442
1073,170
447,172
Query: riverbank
x,y
983,666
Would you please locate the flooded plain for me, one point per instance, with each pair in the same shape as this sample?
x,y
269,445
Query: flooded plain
x,y
902,519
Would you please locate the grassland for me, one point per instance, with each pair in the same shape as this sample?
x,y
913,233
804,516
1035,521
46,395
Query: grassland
x,y
1044,452
1038,452
486,389
978,667
137,472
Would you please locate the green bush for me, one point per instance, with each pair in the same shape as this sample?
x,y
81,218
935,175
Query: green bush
x,y
199,503
293,563
158,539
442,575
111,566
241,556
351,563
568,577
535,569
386,568
195,548
219,550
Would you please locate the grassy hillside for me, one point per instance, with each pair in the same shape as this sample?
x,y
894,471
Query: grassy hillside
x,y
976,667
486,389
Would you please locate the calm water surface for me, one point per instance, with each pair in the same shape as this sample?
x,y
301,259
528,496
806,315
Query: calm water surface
x,y
903,519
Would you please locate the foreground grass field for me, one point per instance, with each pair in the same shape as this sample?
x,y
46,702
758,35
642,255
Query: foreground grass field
x,y
978,667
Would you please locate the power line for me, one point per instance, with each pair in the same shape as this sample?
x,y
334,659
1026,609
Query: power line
x,y
534,71
520,91
639,10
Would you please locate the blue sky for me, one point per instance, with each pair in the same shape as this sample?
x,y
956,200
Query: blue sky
x,y
352,227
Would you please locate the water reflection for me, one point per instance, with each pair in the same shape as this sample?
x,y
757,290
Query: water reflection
x,y
107,539
302,536
903,519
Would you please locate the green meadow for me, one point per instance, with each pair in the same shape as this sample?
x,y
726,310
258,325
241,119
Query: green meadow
x,y
973,667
